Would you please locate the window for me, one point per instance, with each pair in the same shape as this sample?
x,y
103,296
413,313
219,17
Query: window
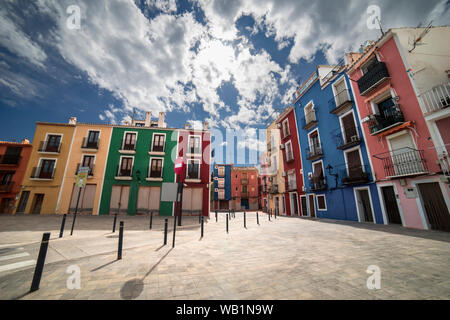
x,y
92,141
321,202
221,171
221,194
46,169
126,167
289,153
221,183
158,143
244,189
129,142
292,181
369,65
314,143
244,175
341,92
7,177
349,128
286,131
53,143
156,166
11,156
310,115
88,161
195,145
193,171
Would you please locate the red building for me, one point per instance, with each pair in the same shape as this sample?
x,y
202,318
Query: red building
x,y
294,196
194,147
13,163
244,188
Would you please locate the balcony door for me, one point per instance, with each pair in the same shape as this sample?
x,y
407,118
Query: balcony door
x,y
130,141
354,165
405,158
119,199
88,162
349,128
149,199
47,167
314,142
126,166
93,139
192,201
53,142
318,175
341,92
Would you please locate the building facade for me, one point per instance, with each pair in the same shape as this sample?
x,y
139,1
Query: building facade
x,y
222,187
294,195
338,177
244,188
404,153
14,158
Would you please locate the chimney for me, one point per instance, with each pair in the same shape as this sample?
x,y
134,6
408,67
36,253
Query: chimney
x,y
72,120
186,126
161,123
25,141
148,118
205,126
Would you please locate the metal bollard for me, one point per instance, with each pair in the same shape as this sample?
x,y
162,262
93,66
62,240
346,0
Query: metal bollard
x,y
73,223
257,218
269,216
40,263
227,222
166,226
119,251
245,220
216,216
275,214
151,220
199,218
203,222
63,223
114,224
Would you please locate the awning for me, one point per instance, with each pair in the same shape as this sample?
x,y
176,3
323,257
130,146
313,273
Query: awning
x,y
380,91
396,129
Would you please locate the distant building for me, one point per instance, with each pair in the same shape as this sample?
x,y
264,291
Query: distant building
x,y
244,188
222,187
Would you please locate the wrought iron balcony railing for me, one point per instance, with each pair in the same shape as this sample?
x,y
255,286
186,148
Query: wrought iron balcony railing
x,y
90,172
10,159
390,117
355,175
403,162
89,144
38,173
124,172
373,78
317,184
438,98
340,102
347,140
129,147
45,146
7,187
314,152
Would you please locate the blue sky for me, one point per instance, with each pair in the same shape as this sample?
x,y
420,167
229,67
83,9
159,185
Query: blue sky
x,y
233,63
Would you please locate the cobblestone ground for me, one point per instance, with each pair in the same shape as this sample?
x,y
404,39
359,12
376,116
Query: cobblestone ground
x,y
286,258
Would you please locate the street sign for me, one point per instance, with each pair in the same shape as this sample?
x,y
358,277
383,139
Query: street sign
x,y
82,177
179,166
169,192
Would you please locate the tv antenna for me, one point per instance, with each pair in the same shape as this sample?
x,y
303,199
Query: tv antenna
x,y
421,36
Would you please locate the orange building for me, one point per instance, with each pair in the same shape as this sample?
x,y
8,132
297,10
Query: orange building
x,y
13,163
244,188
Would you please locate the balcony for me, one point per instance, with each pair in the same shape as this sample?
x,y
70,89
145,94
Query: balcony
x,y
90,172
309,121
436,99
124,173
340,103
274,189
373,78
44,146
290,185
443,160
87,144
403,163
38,173
345,141
7,187
390,118
355,175
129,147
317,184
313,153
10,159
244,182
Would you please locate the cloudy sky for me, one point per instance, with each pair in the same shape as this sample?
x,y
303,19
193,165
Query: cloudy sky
x,y
234,63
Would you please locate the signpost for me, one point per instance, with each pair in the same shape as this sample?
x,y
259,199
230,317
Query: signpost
x,y
81,183
178,171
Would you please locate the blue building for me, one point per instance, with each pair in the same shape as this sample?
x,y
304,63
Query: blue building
x,y
222,187
337,171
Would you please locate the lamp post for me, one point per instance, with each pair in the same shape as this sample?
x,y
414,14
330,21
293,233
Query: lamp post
x,y
138,178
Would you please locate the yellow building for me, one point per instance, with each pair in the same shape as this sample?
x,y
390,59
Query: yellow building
x,y
89,149
275,169
41,186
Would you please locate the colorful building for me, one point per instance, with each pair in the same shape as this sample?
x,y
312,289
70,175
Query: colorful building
x,y
13,164
386,80
46,169
294,195
244,188
222,187
337,171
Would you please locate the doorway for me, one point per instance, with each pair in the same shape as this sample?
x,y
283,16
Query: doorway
x,y
435,207
312,206
23,202
37,203
294,204
304,205
391,205
364,205
119,200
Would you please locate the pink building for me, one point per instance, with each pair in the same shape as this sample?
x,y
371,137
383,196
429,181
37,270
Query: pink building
x,y
244,188
402,154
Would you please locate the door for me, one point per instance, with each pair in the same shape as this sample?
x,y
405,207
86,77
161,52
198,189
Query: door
x,y
119,199
312,208
149,199
53,143
294,204
349,128
304,205
93,139
87,196
365,209
23,202
390,205
37,203
341,93
192,201
354,164
47,168
435,207
6,205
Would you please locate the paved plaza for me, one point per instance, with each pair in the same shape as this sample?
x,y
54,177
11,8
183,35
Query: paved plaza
x,y
286,258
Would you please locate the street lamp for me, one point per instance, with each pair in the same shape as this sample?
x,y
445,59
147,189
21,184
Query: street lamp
x,y
335,175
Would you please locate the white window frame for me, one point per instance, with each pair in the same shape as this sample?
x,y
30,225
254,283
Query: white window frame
x,y
317,199
355,190
285,125
341,123
334,85
87,155
351,150
153,141
199,169
120,165
123,140
318,137
150,167
286,151
310,105
40,167
218,183
46,141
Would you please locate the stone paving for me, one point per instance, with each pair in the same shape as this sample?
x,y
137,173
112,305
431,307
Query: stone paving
x,y
286,258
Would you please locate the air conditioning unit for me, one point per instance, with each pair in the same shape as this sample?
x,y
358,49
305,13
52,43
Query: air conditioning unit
x,y
282,146
354,138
